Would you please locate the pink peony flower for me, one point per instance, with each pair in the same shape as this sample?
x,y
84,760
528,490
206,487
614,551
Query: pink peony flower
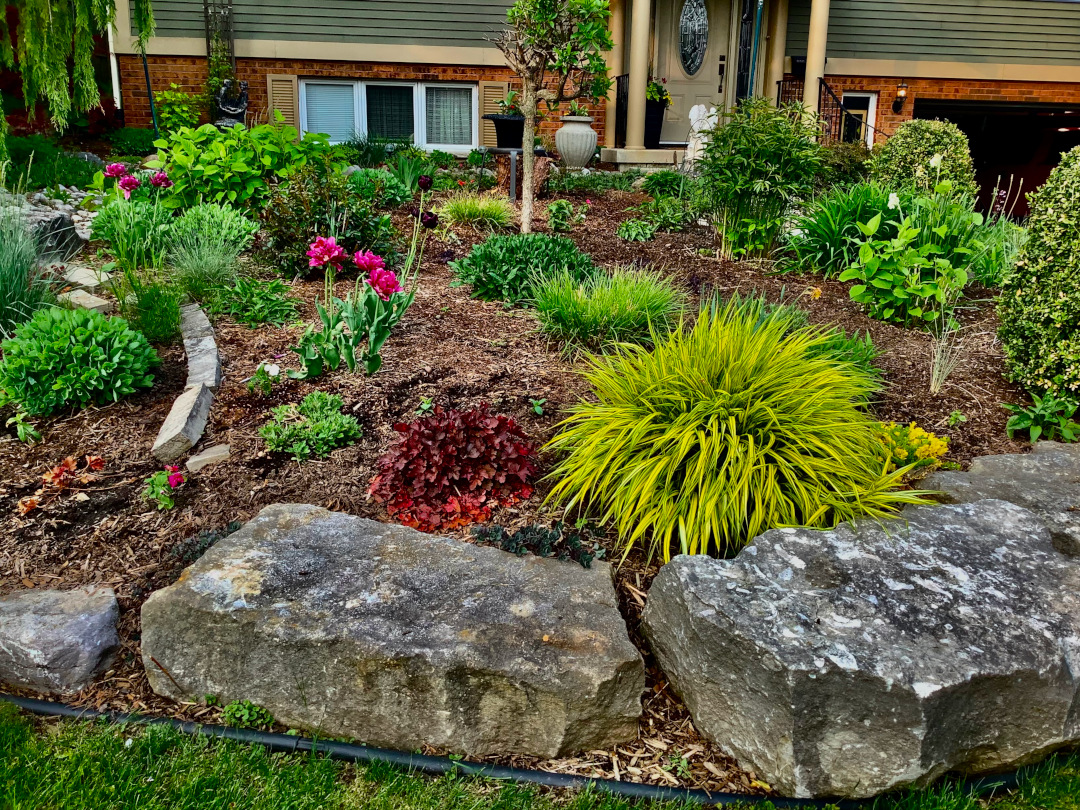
x,y
325,250
384,282
368,261
128,183
160,180
115,170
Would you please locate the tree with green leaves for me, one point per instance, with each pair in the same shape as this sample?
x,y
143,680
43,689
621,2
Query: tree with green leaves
x,y
50,36
557,49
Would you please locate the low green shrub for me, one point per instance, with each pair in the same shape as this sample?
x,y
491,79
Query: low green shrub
x,y
178,110
666,183
36,162
133,141
204,248
629,306
725,430
505,268
1039,305
316,201
379,187
24,284
591,181
921,154
670,214
232,166
138,233
64,357
220,221
438,159
489,212
315,427
845,164
636,230
367,151
253,302
1049,418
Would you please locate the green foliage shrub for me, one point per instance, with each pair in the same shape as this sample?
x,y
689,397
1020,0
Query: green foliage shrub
x,y
636,230
213,219
232,166
758,161
368,151
725,430
63,357
907,159
253,302
132,141
24,284
205,244
845,164
178,110
37,163
666,183
1040,299
593,181
379,187
315,427
490,212
316,202
670,214
138,232
629,306
826,238
505,268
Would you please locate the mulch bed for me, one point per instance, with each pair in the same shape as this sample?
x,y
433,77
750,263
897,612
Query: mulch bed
x,y
458,352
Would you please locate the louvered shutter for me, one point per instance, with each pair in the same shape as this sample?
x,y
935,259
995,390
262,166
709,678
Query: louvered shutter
x,y
283,94
491,93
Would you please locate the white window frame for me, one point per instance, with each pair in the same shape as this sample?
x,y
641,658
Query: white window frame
x,y
419,90
871,111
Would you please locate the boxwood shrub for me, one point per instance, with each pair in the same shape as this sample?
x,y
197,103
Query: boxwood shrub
x,y
505,268
65,357
905,160
1040,299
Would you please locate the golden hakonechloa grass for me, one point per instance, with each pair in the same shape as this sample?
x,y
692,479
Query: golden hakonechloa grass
x,y
726,429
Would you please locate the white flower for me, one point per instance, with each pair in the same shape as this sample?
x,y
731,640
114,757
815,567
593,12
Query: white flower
x,y
894,200
935,162
128,742
272,369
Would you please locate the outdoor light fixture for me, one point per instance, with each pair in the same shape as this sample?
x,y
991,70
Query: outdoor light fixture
x,y
901,97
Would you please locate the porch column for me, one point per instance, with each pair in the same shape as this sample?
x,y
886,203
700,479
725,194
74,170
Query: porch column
x,y
616,66
815,53
776,48
640,23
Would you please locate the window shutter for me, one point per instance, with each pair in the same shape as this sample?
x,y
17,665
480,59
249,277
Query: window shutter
x,y
283,94
491,93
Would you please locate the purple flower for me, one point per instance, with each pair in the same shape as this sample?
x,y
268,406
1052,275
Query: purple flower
x,y
384,282
115,170
430,220
325,250
414,212
128,183
424,182
369,262
160,180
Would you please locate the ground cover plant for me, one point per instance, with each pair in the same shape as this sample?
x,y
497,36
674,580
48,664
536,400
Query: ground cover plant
x,y
314,428
714,391
253,301
505,268
379,187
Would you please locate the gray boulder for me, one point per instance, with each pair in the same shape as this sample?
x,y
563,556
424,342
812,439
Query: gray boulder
x,y
58,237
848,662
1046,481
57,641
357,628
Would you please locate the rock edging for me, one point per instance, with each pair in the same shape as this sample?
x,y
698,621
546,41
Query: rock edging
x,y
187,419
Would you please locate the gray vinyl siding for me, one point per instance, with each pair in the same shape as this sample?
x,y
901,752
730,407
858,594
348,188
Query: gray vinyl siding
x,y
1018,31
404,22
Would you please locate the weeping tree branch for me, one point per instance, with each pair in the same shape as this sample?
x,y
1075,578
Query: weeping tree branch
x,y
50,35
563,40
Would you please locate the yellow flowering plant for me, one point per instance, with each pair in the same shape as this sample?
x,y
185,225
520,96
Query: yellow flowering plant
x,y
910,444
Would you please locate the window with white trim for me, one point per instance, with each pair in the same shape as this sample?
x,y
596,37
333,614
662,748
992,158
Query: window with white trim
x,y
861,119
434,115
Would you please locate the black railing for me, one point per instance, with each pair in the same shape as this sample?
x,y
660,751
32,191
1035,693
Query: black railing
x,y
788,90
838,124
622,94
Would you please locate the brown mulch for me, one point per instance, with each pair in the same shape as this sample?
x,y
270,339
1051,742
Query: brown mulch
x,y
458,352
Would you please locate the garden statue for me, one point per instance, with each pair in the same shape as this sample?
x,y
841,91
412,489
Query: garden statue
x,y
701,121
231,103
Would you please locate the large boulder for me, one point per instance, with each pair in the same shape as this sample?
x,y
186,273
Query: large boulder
x,y
57,641
356,628
1046,481
848,662
57,235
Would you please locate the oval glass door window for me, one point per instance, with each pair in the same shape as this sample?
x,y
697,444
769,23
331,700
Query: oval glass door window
x,y
693,35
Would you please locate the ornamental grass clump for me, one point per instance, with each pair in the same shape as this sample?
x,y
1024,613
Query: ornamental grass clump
x,y
726,429
487,212
450,468
65,357
24,284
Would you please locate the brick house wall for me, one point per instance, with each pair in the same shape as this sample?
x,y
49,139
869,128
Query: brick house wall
x,y
189,73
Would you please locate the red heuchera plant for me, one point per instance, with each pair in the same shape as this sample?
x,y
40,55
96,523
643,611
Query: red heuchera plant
x,y
451,468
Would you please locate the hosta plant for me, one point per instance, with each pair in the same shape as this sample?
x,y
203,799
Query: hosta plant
x,y
451,468
1050,418
65,357
726,429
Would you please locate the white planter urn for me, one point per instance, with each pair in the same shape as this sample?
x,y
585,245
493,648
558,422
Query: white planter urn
x,y
576,141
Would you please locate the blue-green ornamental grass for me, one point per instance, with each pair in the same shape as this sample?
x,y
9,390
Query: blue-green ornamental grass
x,y
73,357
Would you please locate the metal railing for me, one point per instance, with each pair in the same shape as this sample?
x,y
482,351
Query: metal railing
x,y
838,123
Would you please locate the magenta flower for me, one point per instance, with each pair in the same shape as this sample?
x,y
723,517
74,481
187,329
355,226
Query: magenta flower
x,y
128,183
325,250
115,170
384,282
160,180
175,478
369,262
430,220
424,182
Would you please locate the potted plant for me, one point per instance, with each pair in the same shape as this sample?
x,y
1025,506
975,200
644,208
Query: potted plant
x,y
657,99
509,122
576,139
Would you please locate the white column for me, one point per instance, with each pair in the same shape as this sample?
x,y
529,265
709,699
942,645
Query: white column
x,y
640,23
777,45
816,45
617,27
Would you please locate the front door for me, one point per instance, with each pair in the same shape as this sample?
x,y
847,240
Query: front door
x,y
692,54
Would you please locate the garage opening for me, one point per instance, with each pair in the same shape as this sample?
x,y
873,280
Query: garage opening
x,y
1014,145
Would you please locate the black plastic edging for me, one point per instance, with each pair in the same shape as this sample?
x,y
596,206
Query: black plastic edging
x,y
289,744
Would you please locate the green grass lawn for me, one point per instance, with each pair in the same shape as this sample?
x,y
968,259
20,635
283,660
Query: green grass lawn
x,y
97,766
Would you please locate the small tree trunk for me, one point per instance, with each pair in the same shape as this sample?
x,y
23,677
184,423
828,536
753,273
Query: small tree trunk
x,y
528,155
